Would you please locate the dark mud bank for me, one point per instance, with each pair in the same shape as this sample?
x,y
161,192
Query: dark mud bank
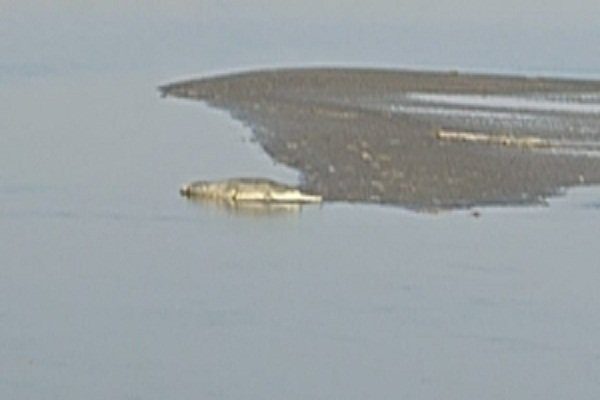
x,y
363,135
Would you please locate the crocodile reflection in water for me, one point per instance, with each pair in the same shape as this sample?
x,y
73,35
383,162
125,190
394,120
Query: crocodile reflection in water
x,y
256,209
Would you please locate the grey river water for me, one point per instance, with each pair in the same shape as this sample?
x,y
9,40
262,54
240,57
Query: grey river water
x,y
114,287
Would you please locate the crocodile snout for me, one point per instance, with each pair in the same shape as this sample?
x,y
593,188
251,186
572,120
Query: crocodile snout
x,y
185,190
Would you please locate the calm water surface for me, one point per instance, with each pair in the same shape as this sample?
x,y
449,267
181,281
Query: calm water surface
x,y
112,286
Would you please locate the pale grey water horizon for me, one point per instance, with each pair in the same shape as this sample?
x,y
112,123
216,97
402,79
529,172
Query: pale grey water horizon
x,y
112,286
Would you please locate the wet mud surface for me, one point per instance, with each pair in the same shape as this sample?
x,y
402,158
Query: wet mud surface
x,y
361,135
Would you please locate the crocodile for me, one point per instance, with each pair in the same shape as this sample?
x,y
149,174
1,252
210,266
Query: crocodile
x,y
248,190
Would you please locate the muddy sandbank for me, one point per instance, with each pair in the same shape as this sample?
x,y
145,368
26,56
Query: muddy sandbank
x,y
365,135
